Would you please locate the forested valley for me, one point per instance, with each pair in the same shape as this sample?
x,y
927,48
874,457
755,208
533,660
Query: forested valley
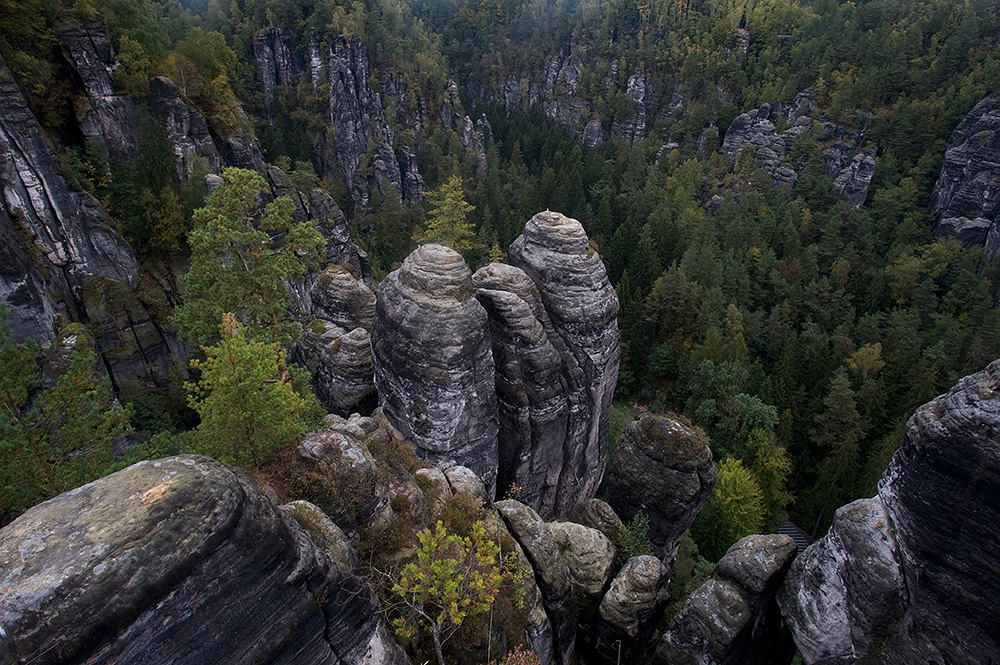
x,y
794,322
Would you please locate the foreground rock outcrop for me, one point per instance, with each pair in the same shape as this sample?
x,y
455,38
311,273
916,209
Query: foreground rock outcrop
x,y
433,362
580,323
733,618
965,196
912,575
663,468
181,561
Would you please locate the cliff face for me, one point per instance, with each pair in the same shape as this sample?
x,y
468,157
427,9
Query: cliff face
x,y
433,362
234,577
104,117
892,582
362,150
965,197
185,126
555,89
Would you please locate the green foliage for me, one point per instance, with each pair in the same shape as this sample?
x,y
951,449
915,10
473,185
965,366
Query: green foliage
x,y
452,579
236,266
52,438
632,539
447,219
248,407
734,509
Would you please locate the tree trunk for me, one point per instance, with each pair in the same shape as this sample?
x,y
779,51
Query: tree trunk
x,y
436,633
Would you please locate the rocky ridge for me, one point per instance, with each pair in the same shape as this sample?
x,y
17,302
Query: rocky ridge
x,y
847,158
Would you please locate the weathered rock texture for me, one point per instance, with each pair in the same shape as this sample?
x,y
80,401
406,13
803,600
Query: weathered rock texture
x,y
277,65
965,197
551,574
340,363
630,611
733,618
589,555
103,116
559,457
911,575
663,468
185,126
433,362
847,158
66,262
178,561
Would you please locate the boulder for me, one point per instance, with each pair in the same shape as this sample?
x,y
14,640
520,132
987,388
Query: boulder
x,y
590,557
597,514
663,468
336,472
911,575
630,611
177,561
733,618
550,572
582,309
433,362
340,363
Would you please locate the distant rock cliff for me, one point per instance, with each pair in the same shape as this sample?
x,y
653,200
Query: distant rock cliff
x,y
361,146
105,117
848,159
66,262
912,575
966,196
181,561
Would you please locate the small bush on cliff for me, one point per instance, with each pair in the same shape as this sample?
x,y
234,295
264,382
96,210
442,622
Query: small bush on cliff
x,y
453,578
632,539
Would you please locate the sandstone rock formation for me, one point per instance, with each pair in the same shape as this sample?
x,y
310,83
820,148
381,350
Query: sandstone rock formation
x,y
597,514
66,260
338,474
359,125
589,555
186,128
532,392
551,574
630,611
965,197
179,561
340,363
733,618
663,468
847,158
580,323
433,363
104,117
911,575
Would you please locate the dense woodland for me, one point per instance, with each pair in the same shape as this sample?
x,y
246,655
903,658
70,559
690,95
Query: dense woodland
x,y
799,333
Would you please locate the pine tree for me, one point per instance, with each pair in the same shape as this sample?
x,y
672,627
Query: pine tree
x,y
236,266
447,220
248,406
